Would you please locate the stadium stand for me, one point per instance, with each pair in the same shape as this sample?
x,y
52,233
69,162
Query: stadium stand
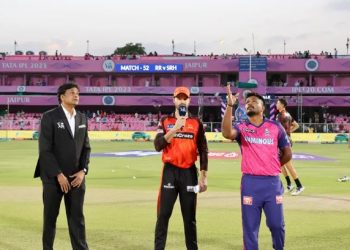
x,y
97,121
125,83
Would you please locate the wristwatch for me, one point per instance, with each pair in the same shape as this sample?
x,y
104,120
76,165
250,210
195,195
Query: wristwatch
x,y
85,170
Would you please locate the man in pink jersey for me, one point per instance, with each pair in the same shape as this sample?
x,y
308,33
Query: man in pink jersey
x,y
265,148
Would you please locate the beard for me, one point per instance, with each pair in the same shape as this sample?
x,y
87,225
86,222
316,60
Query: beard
x,y
251,113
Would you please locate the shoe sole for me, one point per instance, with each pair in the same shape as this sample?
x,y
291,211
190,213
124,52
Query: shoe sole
x,y
299,192
289,190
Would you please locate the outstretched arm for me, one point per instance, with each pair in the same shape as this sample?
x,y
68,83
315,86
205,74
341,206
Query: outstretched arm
x,y
226,125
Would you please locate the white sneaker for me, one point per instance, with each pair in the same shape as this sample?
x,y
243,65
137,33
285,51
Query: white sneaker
x,y
289,188
344,179
298,190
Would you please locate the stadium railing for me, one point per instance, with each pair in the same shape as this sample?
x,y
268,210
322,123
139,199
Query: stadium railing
x,y
33,124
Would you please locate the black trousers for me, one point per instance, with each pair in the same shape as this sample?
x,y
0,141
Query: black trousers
x,y
74,200
174,182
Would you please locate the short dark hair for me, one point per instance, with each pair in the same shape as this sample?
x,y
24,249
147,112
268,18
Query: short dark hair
x,y
63,88
283,102
256,95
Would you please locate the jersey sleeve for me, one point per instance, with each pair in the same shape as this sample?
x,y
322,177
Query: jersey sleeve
x,y
236,127
159,141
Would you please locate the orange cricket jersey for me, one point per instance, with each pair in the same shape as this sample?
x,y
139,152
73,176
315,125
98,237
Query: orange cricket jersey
x,y
182,149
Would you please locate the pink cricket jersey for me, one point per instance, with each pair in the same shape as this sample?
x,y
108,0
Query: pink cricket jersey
x,y
260,147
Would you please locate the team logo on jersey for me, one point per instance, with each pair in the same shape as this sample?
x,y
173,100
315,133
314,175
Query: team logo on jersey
x,y
249,130
267,132
247,200
169,186
279,199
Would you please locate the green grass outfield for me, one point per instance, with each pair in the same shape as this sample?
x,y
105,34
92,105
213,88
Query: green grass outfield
x,y
121,196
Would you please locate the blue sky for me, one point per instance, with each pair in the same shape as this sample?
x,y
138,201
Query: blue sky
x,y
220,26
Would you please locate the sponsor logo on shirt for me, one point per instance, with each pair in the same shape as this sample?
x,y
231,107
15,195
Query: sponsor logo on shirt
x,y
249,130
247,200
169,186
170,126
254,140
184,135
279,199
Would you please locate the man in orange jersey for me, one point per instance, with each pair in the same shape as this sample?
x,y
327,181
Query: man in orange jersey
x,y
182,138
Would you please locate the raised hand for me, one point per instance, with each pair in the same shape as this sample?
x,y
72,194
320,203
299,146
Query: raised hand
x,y
180,122
231,99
